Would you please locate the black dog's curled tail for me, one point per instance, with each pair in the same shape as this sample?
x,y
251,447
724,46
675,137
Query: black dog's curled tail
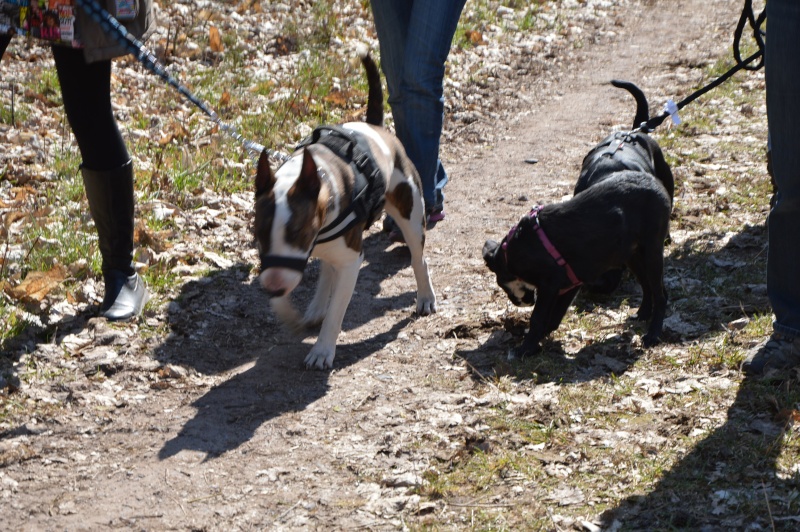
x,y
642,108
375,96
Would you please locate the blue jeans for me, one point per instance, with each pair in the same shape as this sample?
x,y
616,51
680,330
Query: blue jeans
x,y
415,39
782,64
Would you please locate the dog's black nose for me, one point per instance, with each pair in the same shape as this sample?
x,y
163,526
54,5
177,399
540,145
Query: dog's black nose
x,y
490,250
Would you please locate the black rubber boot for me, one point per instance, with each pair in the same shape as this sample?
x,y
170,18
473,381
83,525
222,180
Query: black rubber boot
x,y
111,202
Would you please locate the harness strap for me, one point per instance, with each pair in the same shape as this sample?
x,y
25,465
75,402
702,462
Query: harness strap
x,y
622,140
561,261
356,151
548,245
614,146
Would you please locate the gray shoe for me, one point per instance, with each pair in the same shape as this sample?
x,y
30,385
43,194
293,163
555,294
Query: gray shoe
x,y
779,352
125,296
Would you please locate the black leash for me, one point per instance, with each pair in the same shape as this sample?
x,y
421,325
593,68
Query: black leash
x,y
746,64
112,27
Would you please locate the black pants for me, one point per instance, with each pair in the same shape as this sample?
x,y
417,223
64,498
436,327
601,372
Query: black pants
x,y
86,92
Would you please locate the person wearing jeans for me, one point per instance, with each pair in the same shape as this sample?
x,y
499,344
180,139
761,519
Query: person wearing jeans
x,y
415,39
84,73
781,351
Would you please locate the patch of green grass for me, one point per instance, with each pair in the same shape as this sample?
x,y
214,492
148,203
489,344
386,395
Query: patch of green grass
x,y
483,14
11,323
159,278
59,241
529,431
531,20
20,114
437,485
48,86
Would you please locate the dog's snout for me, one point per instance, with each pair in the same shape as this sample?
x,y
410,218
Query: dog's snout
x,y
278,282
490,249
275,292
273,285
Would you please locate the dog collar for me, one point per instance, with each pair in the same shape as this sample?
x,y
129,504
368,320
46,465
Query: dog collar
x,y
548,245
280,261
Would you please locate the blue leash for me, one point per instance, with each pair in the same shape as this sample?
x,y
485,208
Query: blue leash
x,y
112,27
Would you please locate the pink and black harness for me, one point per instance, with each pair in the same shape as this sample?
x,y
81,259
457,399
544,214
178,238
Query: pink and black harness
x,y
551,249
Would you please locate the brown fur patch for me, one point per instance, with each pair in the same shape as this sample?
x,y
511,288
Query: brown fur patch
x,y
306,218
354,238
402,198
264,215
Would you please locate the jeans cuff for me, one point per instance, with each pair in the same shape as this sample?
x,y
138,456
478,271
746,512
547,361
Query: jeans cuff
x,y
787,331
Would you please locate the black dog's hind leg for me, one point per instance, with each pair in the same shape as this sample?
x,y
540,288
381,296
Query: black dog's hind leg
x,y
637,266
647,265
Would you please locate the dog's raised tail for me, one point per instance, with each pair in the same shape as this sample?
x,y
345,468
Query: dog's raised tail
x,y
642,108
375,96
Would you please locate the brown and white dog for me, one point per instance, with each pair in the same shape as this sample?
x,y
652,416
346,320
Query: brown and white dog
x,y
315,204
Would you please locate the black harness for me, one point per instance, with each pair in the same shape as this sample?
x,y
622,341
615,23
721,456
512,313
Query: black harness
x,y
635,156
369,189
368,195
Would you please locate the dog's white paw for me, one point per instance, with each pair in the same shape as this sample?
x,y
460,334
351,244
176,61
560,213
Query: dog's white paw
x,y
320,357
426,306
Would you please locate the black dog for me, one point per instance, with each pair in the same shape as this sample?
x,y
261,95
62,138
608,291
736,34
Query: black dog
x,y
621,220
624,151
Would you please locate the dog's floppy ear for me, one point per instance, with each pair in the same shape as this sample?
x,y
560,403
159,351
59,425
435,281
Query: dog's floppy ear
x,y
265,180
308,182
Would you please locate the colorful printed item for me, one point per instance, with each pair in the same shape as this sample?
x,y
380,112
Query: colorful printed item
x,y
49,20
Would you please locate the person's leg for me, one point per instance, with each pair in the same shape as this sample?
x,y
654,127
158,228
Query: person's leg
x,y
430,35
415,39
86,91
391,23
107,175
4,40
783,114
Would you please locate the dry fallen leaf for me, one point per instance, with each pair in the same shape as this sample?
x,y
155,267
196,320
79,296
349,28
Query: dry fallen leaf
x,y
12,217
172,132
337,98
215,40
475,37
36,285
788,416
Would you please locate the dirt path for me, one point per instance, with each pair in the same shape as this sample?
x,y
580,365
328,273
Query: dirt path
x,y
215,425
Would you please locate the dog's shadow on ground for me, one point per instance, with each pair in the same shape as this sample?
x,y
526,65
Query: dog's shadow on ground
x,y
224,322
706,288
